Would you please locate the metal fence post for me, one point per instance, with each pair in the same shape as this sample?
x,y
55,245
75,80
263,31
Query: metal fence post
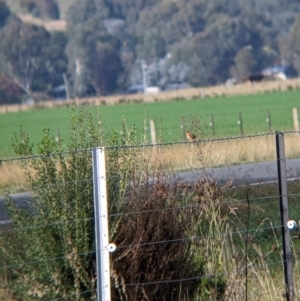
x,y
101,225
284,213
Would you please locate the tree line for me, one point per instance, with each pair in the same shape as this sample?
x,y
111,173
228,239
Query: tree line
x,y
196,42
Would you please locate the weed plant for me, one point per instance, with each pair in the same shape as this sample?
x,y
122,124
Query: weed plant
x,y
54,255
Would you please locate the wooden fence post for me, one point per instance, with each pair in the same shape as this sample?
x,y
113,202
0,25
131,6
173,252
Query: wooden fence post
x,y
212,124
183,127
269,121
58,136
152,132
295,119
240,123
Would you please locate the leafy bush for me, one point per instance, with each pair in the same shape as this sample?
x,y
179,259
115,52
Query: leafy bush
x,y
56,234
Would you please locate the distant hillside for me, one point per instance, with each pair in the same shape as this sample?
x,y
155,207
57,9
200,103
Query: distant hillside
x,y
113,46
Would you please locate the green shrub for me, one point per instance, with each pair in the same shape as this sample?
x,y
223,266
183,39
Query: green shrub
x,y
56,236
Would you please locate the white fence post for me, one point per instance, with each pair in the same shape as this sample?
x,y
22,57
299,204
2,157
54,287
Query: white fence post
x,y
101,225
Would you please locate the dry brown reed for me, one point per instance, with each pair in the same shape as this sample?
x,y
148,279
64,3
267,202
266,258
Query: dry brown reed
x,y
190,93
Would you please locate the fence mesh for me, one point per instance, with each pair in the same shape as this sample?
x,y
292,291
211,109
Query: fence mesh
x,y
197,220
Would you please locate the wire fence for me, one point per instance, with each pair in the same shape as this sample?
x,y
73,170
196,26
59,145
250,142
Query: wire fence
x,y
179,227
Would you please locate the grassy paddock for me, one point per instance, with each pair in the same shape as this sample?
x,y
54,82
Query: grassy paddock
x,y
167,116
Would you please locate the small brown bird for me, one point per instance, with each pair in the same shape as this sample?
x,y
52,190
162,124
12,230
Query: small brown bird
x,y
190,135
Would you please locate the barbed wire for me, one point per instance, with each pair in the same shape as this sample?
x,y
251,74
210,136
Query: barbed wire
x,y
110,147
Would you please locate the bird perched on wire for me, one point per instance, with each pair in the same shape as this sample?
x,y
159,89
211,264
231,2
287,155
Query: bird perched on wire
x,y
190,135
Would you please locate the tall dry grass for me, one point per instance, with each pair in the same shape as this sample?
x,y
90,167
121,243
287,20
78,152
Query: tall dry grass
x,y
186,156
229,152
12,176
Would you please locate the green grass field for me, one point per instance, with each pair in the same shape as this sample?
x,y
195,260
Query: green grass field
x,y
167,116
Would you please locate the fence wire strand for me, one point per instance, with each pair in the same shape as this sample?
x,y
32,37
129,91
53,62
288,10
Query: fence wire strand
x,y
109,147
132,246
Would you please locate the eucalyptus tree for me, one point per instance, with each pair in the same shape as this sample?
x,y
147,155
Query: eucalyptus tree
x,y
93,54
22,49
